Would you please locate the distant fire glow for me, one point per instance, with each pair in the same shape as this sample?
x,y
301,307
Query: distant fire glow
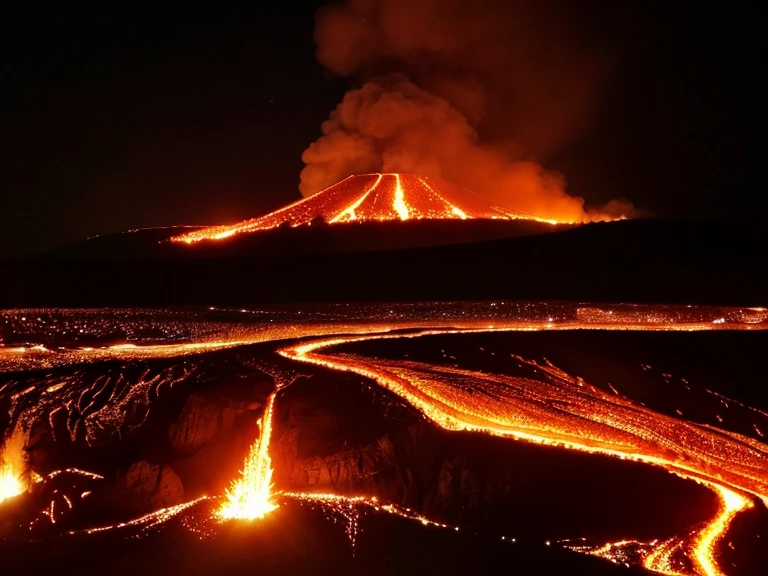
x,y
373,197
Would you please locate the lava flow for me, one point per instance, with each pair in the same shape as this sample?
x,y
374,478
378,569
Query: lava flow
x,y
373,197
564,412
544,405
668,557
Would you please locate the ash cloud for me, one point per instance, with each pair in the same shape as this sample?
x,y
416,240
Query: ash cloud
x,y
467,90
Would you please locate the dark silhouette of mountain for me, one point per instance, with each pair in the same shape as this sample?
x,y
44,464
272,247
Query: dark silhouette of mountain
x,y
684,261
316,237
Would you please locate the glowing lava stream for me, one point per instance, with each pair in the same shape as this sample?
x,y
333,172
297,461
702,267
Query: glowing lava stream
x,y
374,198
250,496
349,212
399,205
706,541
567,414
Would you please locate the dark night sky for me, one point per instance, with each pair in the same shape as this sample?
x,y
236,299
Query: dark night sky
x,y
122,118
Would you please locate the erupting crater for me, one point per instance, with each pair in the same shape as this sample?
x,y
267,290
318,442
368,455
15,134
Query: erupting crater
x,y
373,197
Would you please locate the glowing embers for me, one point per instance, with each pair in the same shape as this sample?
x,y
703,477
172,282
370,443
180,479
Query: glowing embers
x,y
399,204
351,508
251,496
349,213
372,197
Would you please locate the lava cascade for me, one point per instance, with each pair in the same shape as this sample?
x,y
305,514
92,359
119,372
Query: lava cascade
x,y
372,197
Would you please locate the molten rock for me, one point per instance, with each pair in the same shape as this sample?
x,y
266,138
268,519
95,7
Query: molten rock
x,y
373,198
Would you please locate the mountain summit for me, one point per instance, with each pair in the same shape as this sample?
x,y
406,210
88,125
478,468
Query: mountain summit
x,y
372,197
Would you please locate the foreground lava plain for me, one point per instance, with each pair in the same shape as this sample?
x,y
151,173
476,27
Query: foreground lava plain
x,y
536,402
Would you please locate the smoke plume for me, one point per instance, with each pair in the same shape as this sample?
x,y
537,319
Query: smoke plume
x,y
467,90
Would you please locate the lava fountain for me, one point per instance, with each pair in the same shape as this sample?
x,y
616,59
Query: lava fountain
x,y
250,496
13,466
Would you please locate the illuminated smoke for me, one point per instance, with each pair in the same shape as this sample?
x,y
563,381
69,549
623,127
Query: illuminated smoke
x,y
464,90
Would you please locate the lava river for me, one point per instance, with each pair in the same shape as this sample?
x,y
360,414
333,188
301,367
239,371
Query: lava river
x,y
563,411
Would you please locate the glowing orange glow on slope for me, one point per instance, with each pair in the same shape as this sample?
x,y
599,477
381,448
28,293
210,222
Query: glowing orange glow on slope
x,y
13,466
398,204
373,197
455,209
349,212
250,497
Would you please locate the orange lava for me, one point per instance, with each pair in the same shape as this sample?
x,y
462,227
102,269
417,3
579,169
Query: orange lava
x,y
13,466
250,496
552,409
378,318
563,412
10,483
704,546
373,197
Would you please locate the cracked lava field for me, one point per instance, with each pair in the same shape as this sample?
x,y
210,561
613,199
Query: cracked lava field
x,y
88,379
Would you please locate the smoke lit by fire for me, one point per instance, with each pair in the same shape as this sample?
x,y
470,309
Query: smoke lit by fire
x,y
465,90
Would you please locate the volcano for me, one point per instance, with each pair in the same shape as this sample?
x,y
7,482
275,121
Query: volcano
x,y
372,197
